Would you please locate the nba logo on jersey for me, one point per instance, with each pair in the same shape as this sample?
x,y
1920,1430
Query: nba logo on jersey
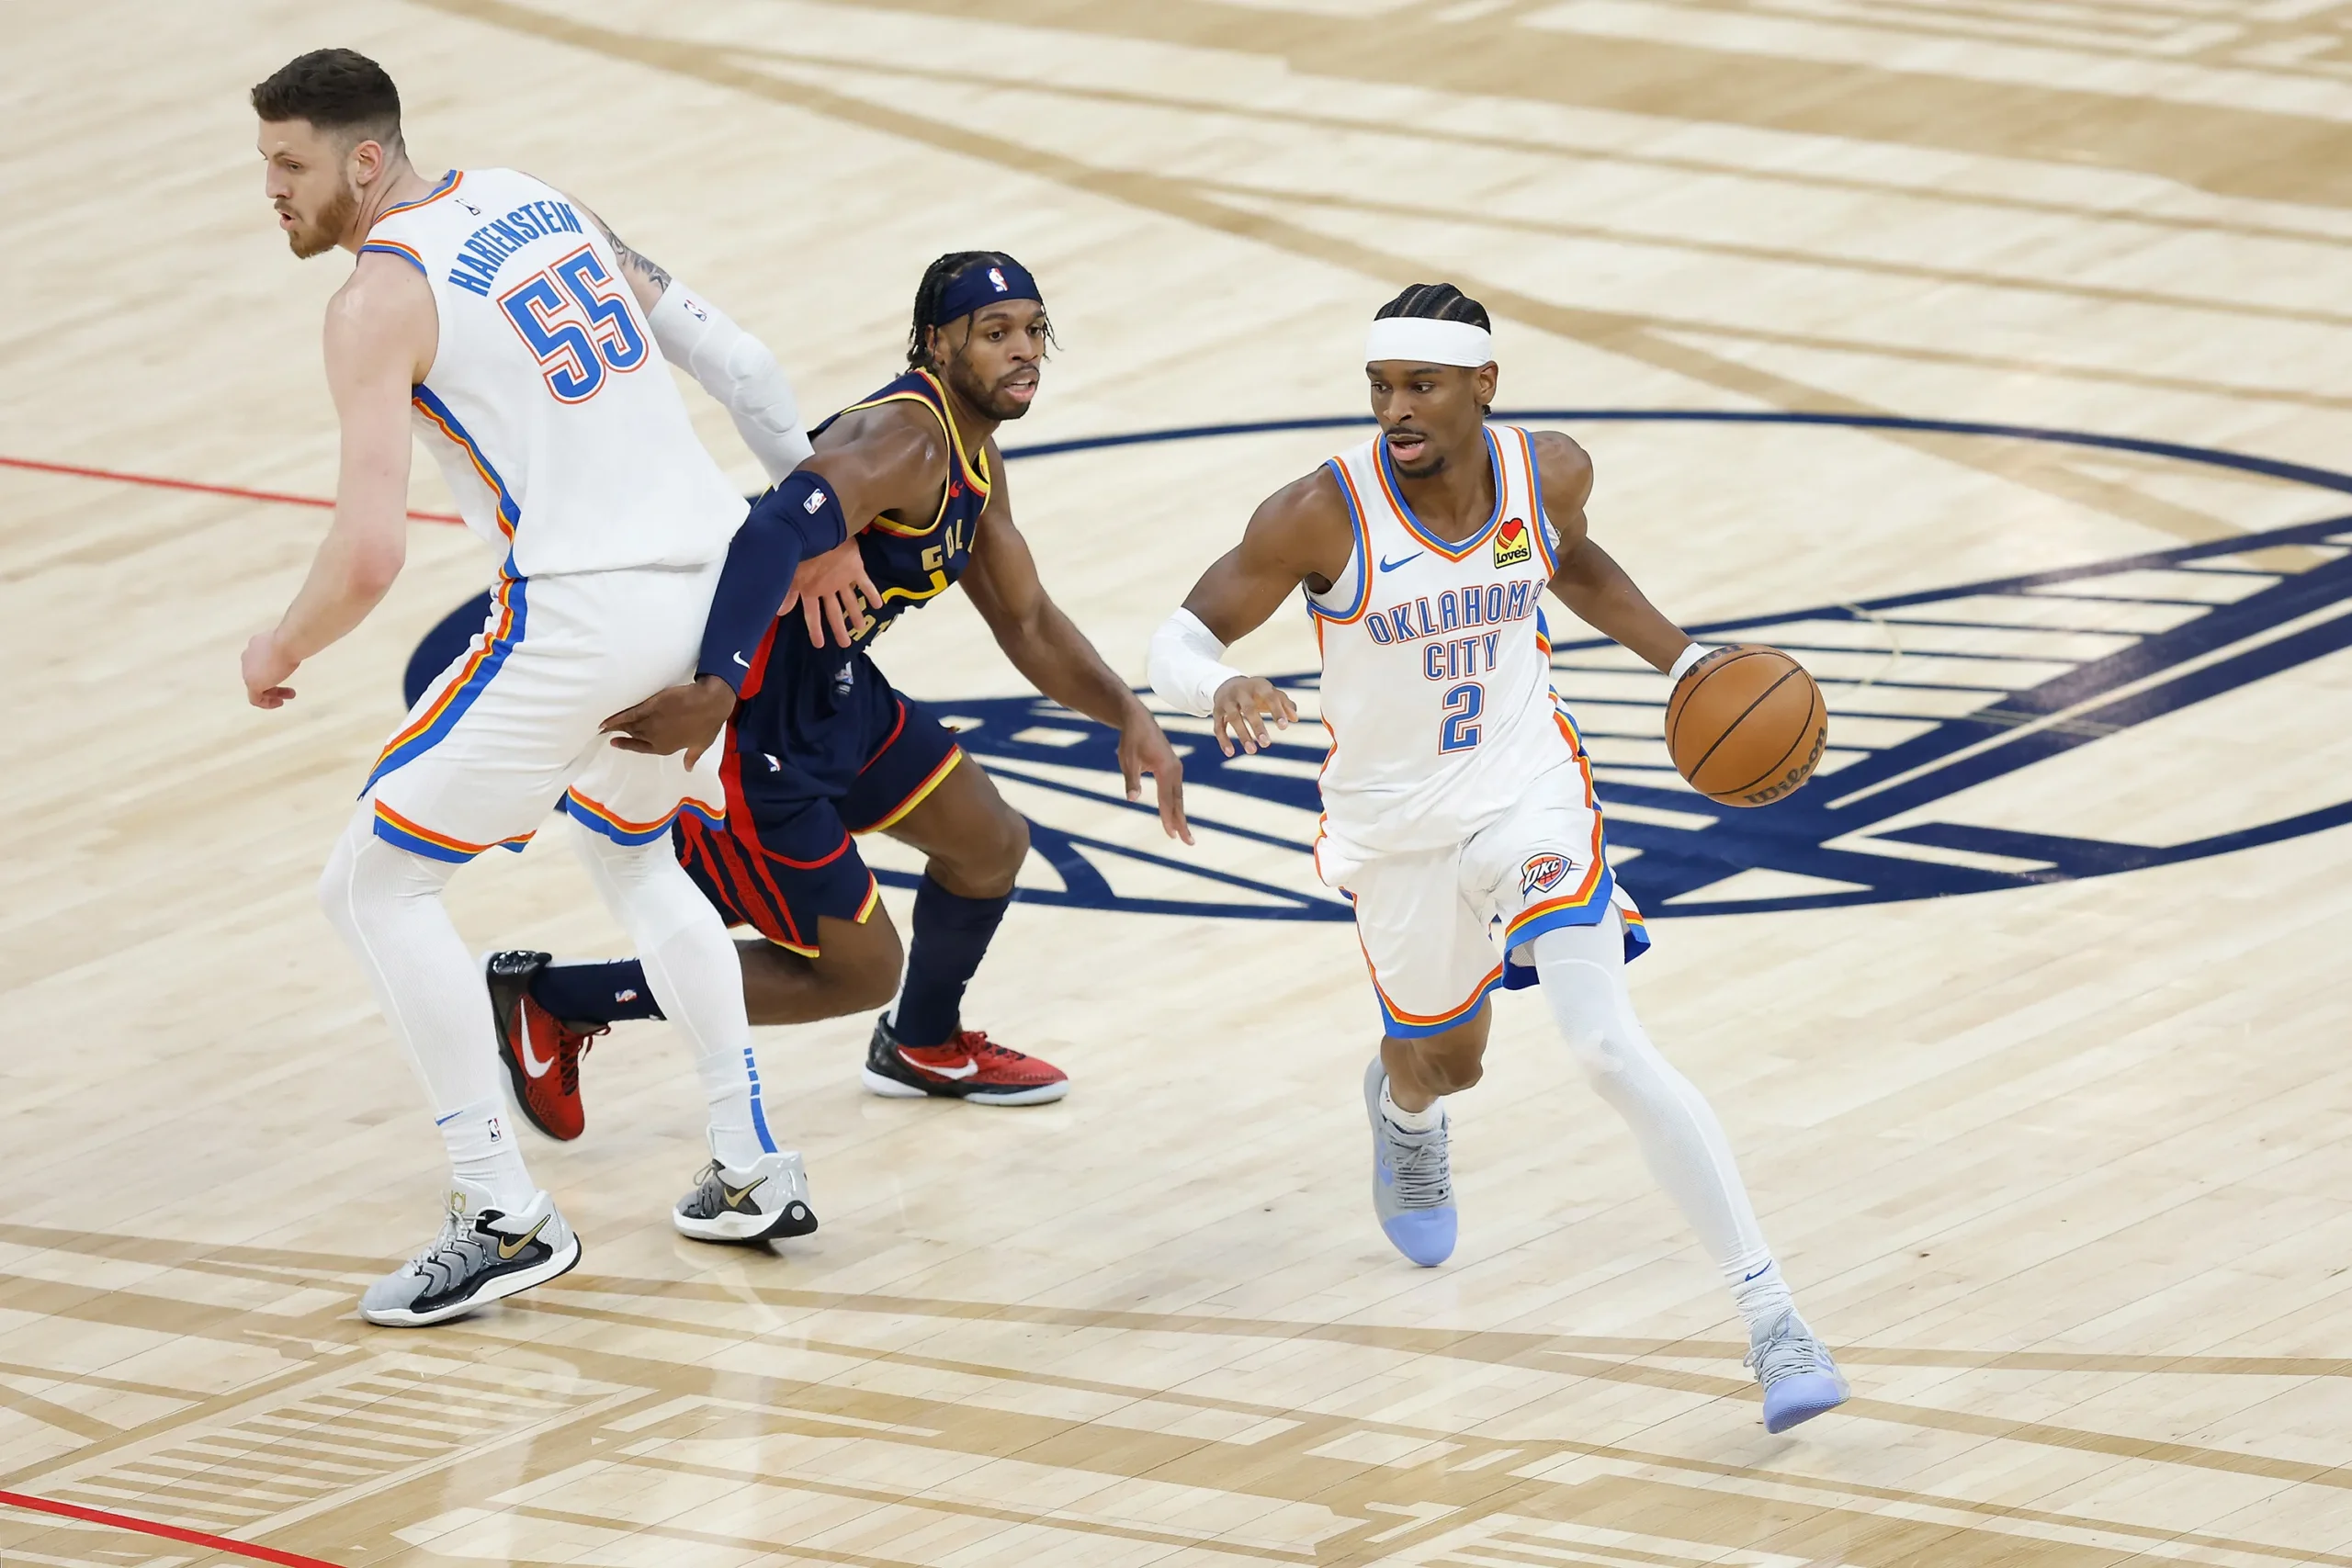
x,y
1513,544
1542,873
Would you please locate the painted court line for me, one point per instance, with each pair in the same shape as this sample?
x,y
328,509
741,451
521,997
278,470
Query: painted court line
x,y
159,481
169,1532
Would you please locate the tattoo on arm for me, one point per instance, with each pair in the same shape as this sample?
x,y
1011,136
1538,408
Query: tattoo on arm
x,y
638,262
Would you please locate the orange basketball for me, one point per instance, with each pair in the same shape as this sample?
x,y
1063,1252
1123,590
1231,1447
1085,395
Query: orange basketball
x,y
1746,725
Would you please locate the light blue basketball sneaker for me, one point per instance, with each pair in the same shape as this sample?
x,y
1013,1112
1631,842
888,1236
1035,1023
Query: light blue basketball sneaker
x,y
1412,1180
1800,1379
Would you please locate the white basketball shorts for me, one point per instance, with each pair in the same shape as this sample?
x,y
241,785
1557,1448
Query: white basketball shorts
x,y
1442,927
508,732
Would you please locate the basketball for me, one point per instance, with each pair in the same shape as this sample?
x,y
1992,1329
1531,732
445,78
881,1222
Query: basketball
x,y
1746,725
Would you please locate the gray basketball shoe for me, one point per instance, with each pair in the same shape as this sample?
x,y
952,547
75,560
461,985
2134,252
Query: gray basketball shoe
x,y
480,1255
763,1203
1412,1180
1800,1379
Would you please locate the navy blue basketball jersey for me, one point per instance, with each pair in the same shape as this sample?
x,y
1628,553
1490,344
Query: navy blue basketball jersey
x,y
912,564
812,718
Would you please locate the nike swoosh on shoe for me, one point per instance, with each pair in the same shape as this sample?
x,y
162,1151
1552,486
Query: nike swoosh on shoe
x,y
521,1029
965,1071
506,1253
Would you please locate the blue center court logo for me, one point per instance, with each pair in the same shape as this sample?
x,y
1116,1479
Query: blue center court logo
x,y
1931,693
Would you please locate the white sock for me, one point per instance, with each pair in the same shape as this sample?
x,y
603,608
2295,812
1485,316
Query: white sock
x,y
1583,971
1428,1120
386,902
481,1141
690,962
1761,1294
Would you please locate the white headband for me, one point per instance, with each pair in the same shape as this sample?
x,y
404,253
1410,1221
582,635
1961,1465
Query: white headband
x,y
1425,342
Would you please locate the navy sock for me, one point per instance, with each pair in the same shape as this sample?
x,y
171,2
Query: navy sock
x,y
951,936
595,992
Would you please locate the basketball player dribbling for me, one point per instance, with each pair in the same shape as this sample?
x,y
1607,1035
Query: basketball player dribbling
x,y
496,311
819,747
1457,796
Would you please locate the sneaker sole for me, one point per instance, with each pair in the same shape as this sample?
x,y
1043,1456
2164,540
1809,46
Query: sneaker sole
x,y
499,1288
898,1089
795,1218
1798,1413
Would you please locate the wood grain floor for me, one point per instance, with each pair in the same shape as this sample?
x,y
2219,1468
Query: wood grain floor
x,y
2055,1161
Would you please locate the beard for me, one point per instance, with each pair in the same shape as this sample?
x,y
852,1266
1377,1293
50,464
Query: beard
x,y
316,239
968,386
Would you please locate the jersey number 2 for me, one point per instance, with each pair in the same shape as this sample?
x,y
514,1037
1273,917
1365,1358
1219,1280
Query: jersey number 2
x,y
575,327
1463,704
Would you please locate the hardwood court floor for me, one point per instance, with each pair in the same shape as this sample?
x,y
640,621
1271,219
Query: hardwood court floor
x,y
2056,1164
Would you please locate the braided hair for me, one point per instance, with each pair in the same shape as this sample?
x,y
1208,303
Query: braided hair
x,y
1439,303
1435,302
935,279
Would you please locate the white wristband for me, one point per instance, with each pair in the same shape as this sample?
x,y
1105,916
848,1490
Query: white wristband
x,y
1186,664
1691,655
736,369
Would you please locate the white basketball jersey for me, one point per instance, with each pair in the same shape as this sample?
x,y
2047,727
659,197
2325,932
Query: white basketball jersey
x,y
547,406
1437,676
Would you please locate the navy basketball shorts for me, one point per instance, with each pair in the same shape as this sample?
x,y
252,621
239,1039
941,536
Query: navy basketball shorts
x,y
786,855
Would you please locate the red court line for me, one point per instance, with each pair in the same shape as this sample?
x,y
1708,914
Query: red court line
x,y
159,482
169,1532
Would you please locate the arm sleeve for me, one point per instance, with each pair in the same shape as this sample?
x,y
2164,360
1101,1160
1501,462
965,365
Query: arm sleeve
x,y
737,369
797,519
1187,664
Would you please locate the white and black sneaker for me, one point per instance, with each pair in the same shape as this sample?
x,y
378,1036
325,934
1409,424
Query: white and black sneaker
x,y
766,1202
481,1255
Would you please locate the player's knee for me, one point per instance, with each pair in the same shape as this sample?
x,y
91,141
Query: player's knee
x,y
1009,845
986,854
1585,1020
365,875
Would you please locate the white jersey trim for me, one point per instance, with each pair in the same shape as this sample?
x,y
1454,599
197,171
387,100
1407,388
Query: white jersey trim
x,y
1358,565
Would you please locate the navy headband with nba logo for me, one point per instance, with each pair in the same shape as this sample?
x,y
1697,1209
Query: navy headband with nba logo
x,y
979,286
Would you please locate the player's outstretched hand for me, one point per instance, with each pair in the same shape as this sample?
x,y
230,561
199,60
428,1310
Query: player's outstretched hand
x,y
1144,749
827,588
680,719
265,668
1243,705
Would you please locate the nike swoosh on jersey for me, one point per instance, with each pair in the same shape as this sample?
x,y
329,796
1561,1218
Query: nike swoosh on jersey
x,y
531,1064
743,661
1387,565
965,1071
506,1250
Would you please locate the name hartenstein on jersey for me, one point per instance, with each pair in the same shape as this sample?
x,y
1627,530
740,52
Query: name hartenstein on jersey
x,y
483,251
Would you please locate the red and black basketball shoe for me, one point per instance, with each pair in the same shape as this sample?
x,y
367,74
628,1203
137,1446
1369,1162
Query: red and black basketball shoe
x,y
969,1066
541,1052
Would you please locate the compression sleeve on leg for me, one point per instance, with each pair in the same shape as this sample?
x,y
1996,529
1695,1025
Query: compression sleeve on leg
x,y
797,519
690,965
738,370
1583,971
